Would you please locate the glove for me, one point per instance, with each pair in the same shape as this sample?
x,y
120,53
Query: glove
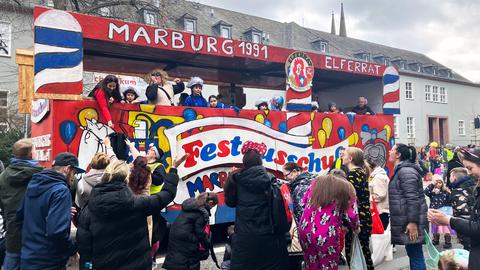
x,y
236,109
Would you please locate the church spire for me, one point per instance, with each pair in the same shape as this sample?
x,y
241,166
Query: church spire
x,y
332,31
343,29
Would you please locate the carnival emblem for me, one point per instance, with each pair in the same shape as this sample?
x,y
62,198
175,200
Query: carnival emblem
x,y
300,70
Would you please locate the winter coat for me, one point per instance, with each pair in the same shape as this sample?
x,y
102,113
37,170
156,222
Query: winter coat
x,y
363,110
299,188
378,187
112,231
13,184
407,203
195,101
46,215
254,244
438,198
85,186
471,228
186,233
163,95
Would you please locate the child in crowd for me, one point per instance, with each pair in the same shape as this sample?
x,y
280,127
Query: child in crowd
x,y
188,233
461,197
215,102
439,197
329,200
107,92
130,96
262,104
455,259
195,99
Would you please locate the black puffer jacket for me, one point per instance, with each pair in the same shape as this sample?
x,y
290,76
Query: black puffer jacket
x,y
471,228
186,233
298,188
113,232
407,202
254,245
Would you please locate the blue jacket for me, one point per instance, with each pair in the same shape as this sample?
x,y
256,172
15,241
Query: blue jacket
x,y
46,215
195,101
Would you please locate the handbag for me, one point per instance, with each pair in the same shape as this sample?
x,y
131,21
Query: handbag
x,y
382,248
377,226
357,261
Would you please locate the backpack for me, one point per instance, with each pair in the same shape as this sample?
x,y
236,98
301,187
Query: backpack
x,y
281,207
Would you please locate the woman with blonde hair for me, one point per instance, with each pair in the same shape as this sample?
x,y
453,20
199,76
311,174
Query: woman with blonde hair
x,y
357,176
160,91
98,164
112,231
329,200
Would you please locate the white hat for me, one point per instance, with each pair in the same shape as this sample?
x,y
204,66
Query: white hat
x,y
194,81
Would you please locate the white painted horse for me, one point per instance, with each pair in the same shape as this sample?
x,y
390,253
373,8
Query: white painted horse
x,y
92,141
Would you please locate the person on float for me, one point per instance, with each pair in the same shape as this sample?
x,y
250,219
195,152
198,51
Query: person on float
x,y
107,92
466,227
130,96
407,205
195,99
362,107
262,104
276,103
215,102
160,91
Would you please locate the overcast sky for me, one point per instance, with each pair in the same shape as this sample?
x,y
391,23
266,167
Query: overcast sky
x,y
447,31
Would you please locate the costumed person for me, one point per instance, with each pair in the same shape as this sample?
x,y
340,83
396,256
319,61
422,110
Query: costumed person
x,y
332,108
276,103
315,107
353,159
113,231
106,93
160,91
378,186
130,95
188,233
262,104
215,102
408,209
256,245
328,202
466,227
195,99
462,187
439,196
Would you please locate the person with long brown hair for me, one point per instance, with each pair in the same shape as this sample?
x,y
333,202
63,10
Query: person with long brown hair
x,y
105,93
140,177
329,200
188,232
357,176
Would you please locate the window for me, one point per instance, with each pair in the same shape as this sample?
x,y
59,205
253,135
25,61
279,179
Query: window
x,y
461,127
396,125
435,93
408,90
225,32
428,94
104,11
443,95
323,46
190,25
410,127
366,57
149,17
256,37
5,38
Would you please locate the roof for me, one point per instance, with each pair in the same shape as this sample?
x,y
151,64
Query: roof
x,y
292,35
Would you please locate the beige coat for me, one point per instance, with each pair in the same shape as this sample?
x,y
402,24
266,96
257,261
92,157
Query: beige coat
x,y
162,98
378,187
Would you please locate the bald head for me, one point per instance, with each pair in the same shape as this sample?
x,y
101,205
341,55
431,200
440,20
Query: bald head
x,y
22,149
362,101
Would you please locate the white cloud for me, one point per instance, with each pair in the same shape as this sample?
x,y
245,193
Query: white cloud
x,y
447,31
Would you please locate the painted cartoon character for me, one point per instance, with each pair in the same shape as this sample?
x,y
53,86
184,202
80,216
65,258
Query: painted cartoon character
x,y
298,72
92,141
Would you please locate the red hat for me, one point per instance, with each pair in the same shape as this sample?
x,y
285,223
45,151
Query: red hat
x,y
260,148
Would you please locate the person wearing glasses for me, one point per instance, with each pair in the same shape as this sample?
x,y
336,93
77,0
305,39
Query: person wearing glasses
x,y
160,91
467,227
106,93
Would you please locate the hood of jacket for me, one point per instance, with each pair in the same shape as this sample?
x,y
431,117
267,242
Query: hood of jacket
x,y
378,171
93,177
19,174
110,200
256,178
43,181
465,181
408,164
304,178
190,205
